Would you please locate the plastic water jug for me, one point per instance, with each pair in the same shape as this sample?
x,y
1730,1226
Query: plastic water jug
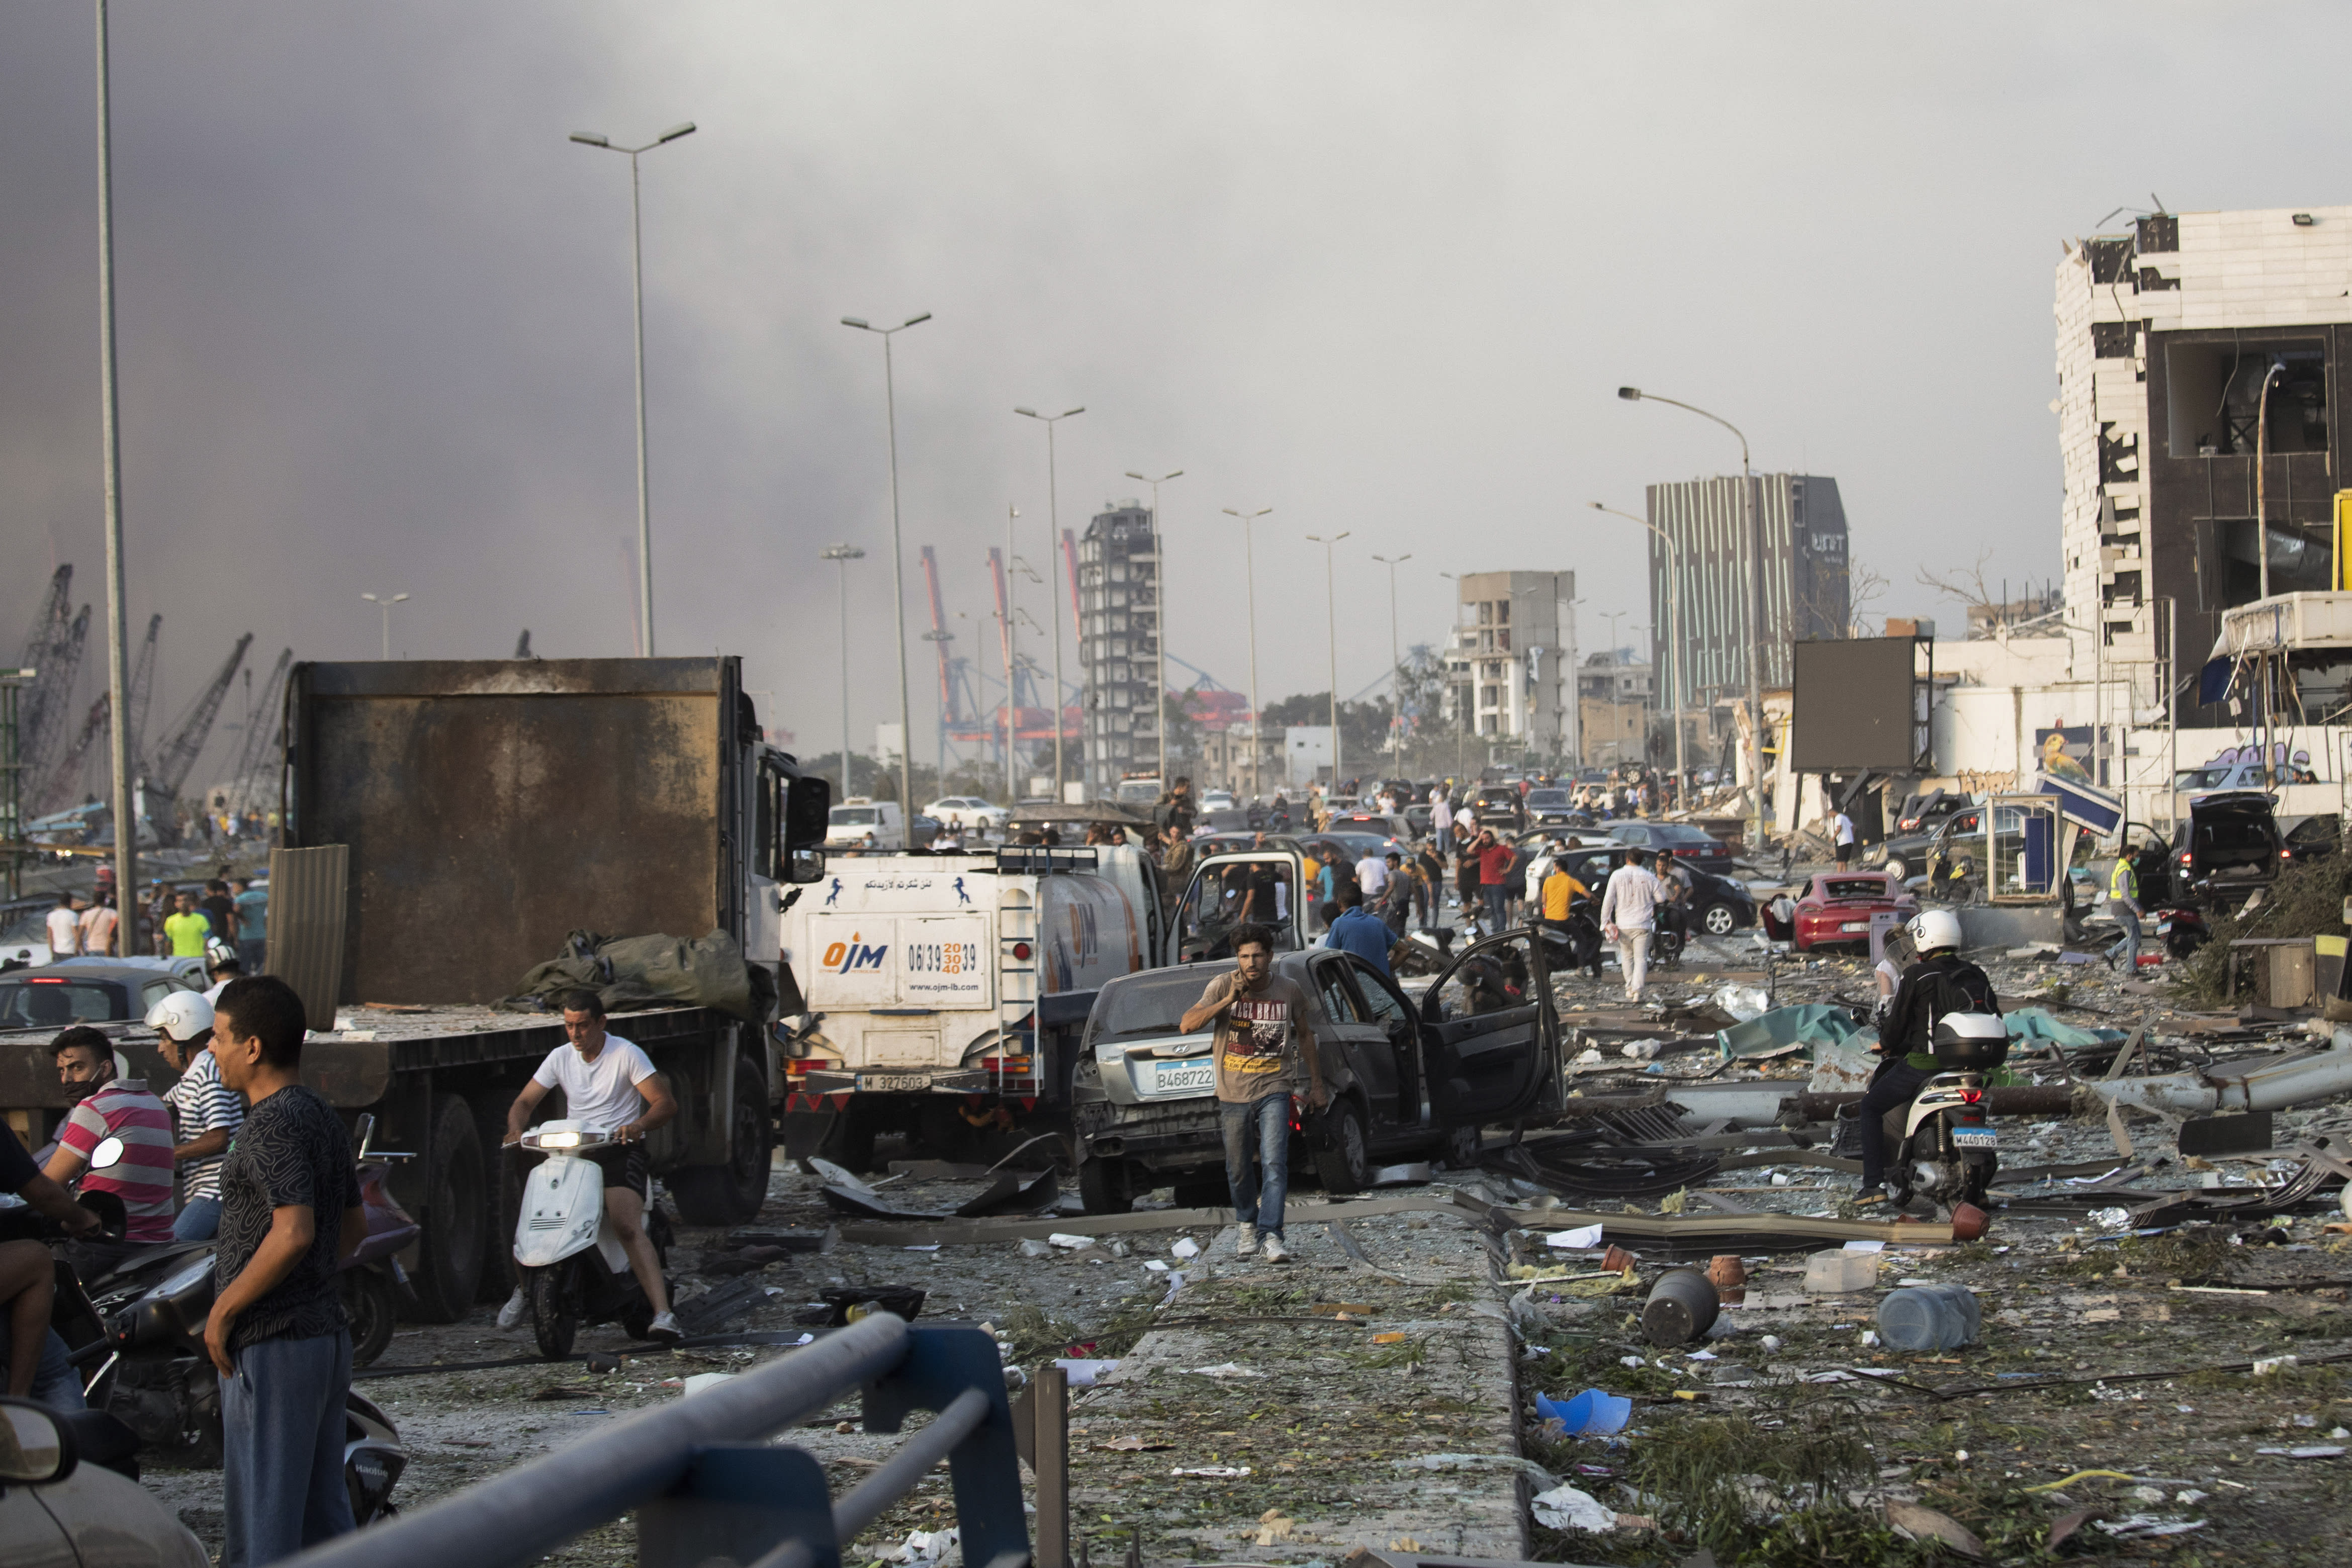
x,y
1928,1317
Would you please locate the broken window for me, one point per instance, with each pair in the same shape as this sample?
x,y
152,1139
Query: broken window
x,y
2124,590
2214,396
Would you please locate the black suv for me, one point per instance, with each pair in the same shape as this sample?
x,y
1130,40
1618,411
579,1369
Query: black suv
x,y
2228,846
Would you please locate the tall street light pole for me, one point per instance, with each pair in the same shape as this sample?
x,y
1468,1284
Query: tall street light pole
x,y
1396,665
1012,691
1331,631
899,571
637,296
1054,543
385,605
842,555
1675,649
117,630
1249,575
1755,546
1160,612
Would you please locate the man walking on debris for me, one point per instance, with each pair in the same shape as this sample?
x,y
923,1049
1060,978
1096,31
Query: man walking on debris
x,y
1264,1031
2123,904
1628,912
1941,982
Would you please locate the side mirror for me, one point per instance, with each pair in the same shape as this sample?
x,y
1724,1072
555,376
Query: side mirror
x,y
36,1448
808,812
107,1153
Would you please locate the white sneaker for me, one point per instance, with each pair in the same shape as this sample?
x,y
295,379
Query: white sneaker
x,y
1245,1244
1275,1252
665,1327
511,1313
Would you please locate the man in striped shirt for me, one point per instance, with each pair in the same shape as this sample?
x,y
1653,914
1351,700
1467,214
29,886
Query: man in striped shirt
x,y
117,1108
205,1113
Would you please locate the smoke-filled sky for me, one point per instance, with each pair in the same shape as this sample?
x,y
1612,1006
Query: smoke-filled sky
x,y
1378,267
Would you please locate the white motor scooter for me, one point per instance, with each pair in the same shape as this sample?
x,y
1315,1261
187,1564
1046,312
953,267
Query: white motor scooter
x,y
573,1269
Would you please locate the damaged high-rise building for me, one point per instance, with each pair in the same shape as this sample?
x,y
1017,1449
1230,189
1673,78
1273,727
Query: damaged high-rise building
x,y
1118,644
1806,584
2197,354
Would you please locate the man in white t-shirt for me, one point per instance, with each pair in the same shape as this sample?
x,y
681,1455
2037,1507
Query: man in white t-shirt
x,y
65,929
609,1086
1842,833
1371,876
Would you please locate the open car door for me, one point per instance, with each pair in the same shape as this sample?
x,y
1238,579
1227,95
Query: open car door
x,y
1252,887
1490,1030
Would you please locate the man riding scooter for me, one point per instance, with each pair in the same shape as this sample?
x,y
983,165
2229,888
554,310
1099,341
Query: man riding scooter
x,y
31,1351
609,1085
1941,982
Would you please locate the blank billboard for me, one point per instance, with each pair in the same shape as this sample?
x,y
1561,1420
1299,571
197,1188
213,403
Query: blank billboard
x,y
1852,705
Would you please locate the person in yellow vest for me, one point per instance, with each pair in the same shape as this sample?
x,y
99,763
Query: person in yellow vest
x,y
2123,904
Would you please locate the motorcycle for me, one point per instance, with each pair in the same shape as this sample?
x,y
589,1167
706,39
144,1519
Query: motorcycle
x,y
1945,1149
375,1285
141,1324
1423,950
573,1269
2182,929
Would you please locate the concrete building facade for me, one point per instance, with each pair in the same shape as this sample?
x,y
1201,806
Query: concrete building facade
x,y
1118,645
2185,344
1510,670
1806,583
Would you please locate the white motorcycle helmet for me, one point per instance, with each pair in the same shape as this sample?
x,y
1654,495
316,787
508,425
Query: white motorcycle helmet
x,y
1935,931
183,1015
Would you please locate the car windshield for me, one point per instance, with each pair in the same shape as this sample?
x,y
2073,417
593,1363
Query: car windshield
x,y
1152,1003
54,1004
853,817
2199,778
1547,797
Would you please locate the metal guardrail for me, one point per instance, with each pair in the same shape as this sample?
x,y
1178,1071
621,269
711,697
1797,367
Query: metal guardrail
x,y
707,1486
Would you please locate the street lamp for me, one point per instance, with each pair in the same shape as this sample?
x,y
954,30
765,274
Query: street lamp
x,y
1673,640
637,295
1396,665
1249,574
1053,542
385,605
898,573
842,555
1160,611
118,625
1331,629
1755,545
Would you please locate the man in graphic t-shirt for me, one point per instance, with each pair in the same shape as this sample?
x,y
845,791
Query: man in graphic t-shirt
x,y
609,1086
1264,1031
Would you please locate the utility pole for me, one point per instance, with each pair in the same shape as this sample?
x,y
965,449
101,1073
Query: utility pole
x,y
118,631
1396,666
1331,625
1249,577
841,556
898,578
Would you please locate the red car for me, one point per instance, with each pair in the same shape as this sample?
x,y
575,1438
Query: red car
x,y
1836,907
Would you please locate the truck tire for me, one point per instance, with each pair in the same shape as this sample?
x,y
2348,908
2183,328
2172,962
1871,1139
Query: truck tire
x,y
733,1194
501,1197
1106,1186
449,1247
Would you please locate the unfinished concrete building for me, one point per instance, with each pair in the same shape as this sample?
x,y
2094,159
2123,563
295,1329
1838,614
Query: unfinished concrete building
x,y
2187,345
1118,645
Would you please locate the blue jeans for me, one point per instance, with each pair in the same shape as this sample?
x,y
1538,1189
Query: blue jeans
x,y
1499,898
2127,942
282,1448
55,1382
198,1221
1257,1198
249,953
1895,1083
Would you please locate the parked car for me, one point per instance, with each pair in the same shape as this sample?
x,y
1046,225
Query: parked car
x,y
1216,801
1484,1045
2223,776
1905,854
1926,813
2227,846
1689,843
60,1507
1835,908
1499,806
1382,823
86,990
1548,805
968,812
1719,904
1417,818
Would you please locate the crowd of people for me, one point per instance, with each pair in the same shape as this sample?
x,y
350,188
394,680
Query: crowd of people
x,y
229,918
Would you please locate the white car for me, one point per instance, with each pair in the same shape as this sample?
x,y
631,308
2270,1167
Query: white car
x,y
967,811
873,826
1216,801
